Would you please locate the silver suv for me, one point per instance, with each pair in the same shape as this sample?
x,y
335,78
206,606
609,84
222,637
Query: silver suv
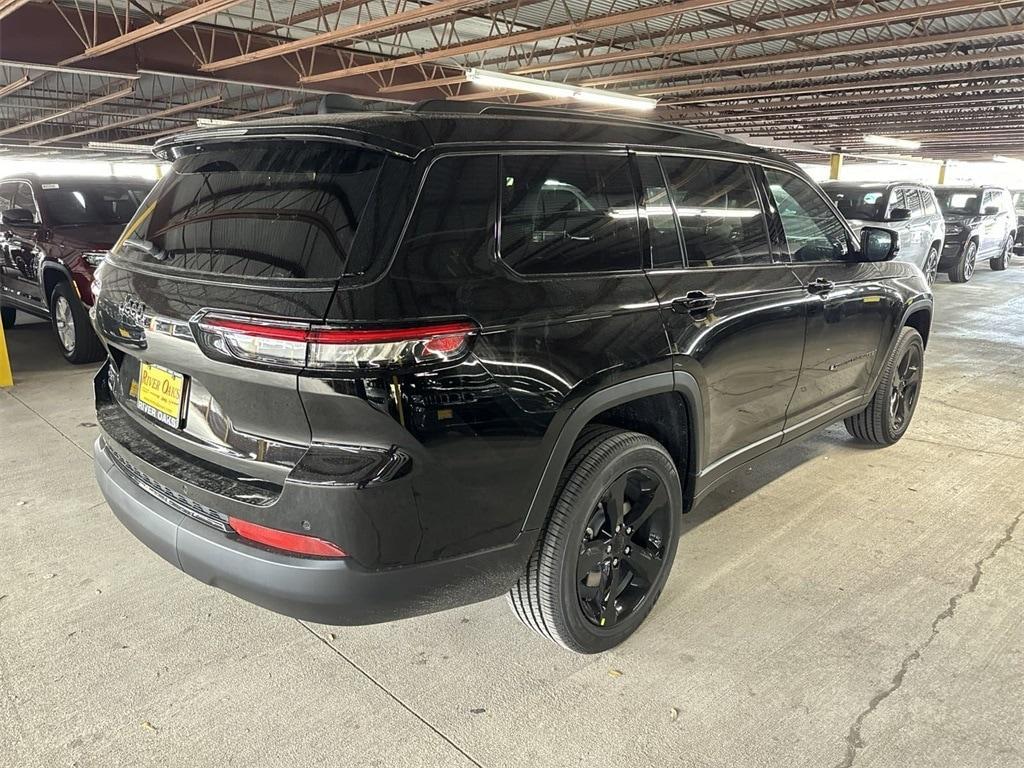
x,y
909,209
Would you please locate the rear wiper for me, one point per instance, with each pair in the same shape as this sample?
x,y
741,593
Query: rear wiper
x,y
145,246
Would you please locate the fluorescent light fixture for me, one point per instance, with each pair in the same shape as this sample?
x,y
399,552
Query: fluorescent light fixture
x,y
889,141
1005,159
502,80
110,146
213,122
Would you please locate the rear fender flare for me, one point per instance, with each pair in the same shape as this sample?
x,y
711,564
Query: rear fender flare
x,y
600,401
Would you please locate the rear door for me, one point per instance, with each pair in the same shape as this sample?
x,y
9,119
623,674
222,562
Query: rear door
x,y
848,303
734,313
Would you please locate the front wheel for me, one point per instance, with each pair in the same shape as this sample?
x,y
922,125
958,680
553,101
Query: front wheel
x,y
607,549
1002,261
963,270
931,265
888,415
78,342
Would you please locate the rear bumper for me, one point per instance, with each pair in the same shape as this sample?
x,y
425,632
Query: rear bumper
x,y
325,591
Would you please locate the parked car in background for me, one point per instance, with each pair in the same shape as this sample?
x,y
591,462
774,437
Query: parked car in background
x,y
981,223
54,231
1018,205
371,366
909,209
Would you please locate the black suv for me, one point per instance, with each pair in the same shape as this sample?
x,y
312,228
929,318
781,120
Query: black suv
x,y
981,223
54,231
374,365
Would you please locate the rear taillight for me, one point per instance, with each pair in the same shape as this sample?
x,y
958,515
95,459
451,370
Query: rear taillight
x,y
284,344
289,542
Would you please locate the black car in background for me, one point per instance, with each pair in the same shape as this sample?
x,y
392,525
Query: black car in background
x,y
980,224
1018,206
54,231
368,366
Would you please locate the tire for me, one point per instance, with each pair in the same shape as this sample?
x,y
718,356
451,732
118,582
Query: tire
x,y
70,322
8,316
963,270
1001,262
931,264
888,415
573,607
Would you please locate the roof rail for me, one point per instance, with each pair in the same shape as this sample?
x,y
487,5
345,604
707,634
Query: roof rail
x,y
489,108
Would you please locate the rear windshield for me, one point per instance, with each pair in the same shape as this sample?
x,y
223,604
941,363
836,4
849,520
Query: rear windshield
x,y
859,203
86,203
966,202
283,209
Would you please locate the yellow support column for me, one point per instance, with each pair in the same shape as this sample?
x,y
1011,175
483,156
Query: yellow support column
x,y
835,166
942,171
6,379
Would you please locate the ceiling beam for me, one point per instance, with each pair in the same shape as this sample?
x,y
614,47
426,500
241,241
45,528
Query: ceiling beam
x,y
853,21
889,47
94,102
180,19
15,86
521,38
7,7
353,32
177,109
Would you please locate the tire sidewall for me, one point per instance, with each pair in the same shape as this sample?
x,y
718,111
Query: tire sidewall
x,y
910,338
591,638
81,318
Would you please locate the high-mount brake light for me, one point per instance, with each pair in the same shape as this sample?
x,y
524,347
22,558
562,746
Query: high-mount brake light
x,y
298,543
286,344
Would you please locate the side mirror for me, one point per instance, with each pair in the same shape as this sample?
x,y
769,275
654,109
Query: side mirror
x,y
992,210
899,214
878,244
18,217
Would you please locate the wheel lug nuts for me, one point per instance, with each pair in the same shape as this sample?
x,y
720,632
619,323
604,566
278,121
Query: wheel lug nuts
x,y
627,550
618,528
608,549
629,531
615,561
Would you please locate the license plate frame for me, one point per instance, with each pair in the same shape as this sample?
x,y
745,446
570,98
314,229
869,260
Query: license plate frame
x,y
162,394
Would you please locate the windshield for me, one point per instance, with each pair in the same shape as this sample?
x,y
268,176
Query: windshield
x,y
962,202
86,202
258,209
858,203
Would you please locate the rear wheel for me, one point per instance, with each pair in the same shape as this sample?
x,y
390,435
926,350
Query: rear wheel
x,y
931,264
1002,261
963,270
604,556
888,415
8,316
70,320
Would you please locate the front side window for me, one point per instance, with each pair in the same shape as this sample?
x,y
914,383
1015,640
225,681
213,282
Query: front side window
x,y
570,213
23,199
990,200
813,232
858,202
930,206
961,202
286,209
78,203
7,192
719,214
914,202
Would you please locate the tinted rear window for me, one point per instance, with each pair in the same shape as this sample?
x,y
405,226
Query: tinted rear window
x,y
283,209
70,204
859,203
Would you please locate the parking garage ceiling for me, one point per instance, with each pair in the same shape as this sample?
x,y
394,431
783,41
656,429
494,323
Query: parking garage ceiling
x,y
803,73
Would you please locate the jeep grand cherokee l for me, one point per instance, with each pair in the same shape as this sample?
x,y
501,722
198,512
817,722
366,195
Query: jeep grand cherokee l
x,y
981,223
54,231
368,366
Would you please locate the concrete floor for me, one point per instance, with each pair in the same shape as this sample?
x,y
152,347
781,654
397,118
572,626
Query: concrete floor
x,y
832,606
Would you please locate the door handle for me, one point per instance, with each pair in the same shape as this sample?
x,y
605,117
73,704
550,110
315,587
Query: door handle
x,y
820,286
695,303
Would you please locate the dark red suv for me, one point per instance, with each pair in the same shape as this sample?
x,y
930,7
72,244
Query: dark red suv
x,y
55,231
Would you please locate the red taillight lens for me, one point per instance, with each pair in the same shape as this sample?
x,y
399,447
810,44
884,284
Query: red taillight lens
x,y
290,542
323,348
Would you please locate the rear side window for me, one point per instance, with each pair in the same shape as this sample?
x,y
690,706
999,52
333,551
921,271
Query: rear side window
x,y
570,213
70,204
718,211
283,209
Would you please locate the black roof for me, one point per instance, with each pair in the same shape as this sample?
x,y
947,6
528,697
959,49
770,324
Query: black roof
x,y
429,124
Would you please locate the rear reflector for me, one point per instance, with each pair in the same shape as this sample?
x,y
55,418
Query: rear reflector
x,y
324,348
289,542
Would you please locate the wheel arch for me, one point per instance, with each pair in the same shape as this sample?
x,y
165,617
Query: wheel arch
x,y
638,405
50,276
920,319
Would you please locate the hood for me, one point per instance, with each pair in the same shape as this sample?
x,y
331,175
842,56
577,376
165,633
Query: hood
x,y
88,237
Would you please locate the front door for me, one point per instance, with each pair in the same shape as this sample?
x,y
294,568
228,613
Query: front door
x,y
20,255
847,310
734,314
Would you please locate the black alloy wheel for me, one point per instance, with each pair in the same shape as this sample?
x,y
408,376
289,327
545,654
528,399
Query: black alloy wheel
x,y
906,385
963,270
623,547
606,550
887,417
